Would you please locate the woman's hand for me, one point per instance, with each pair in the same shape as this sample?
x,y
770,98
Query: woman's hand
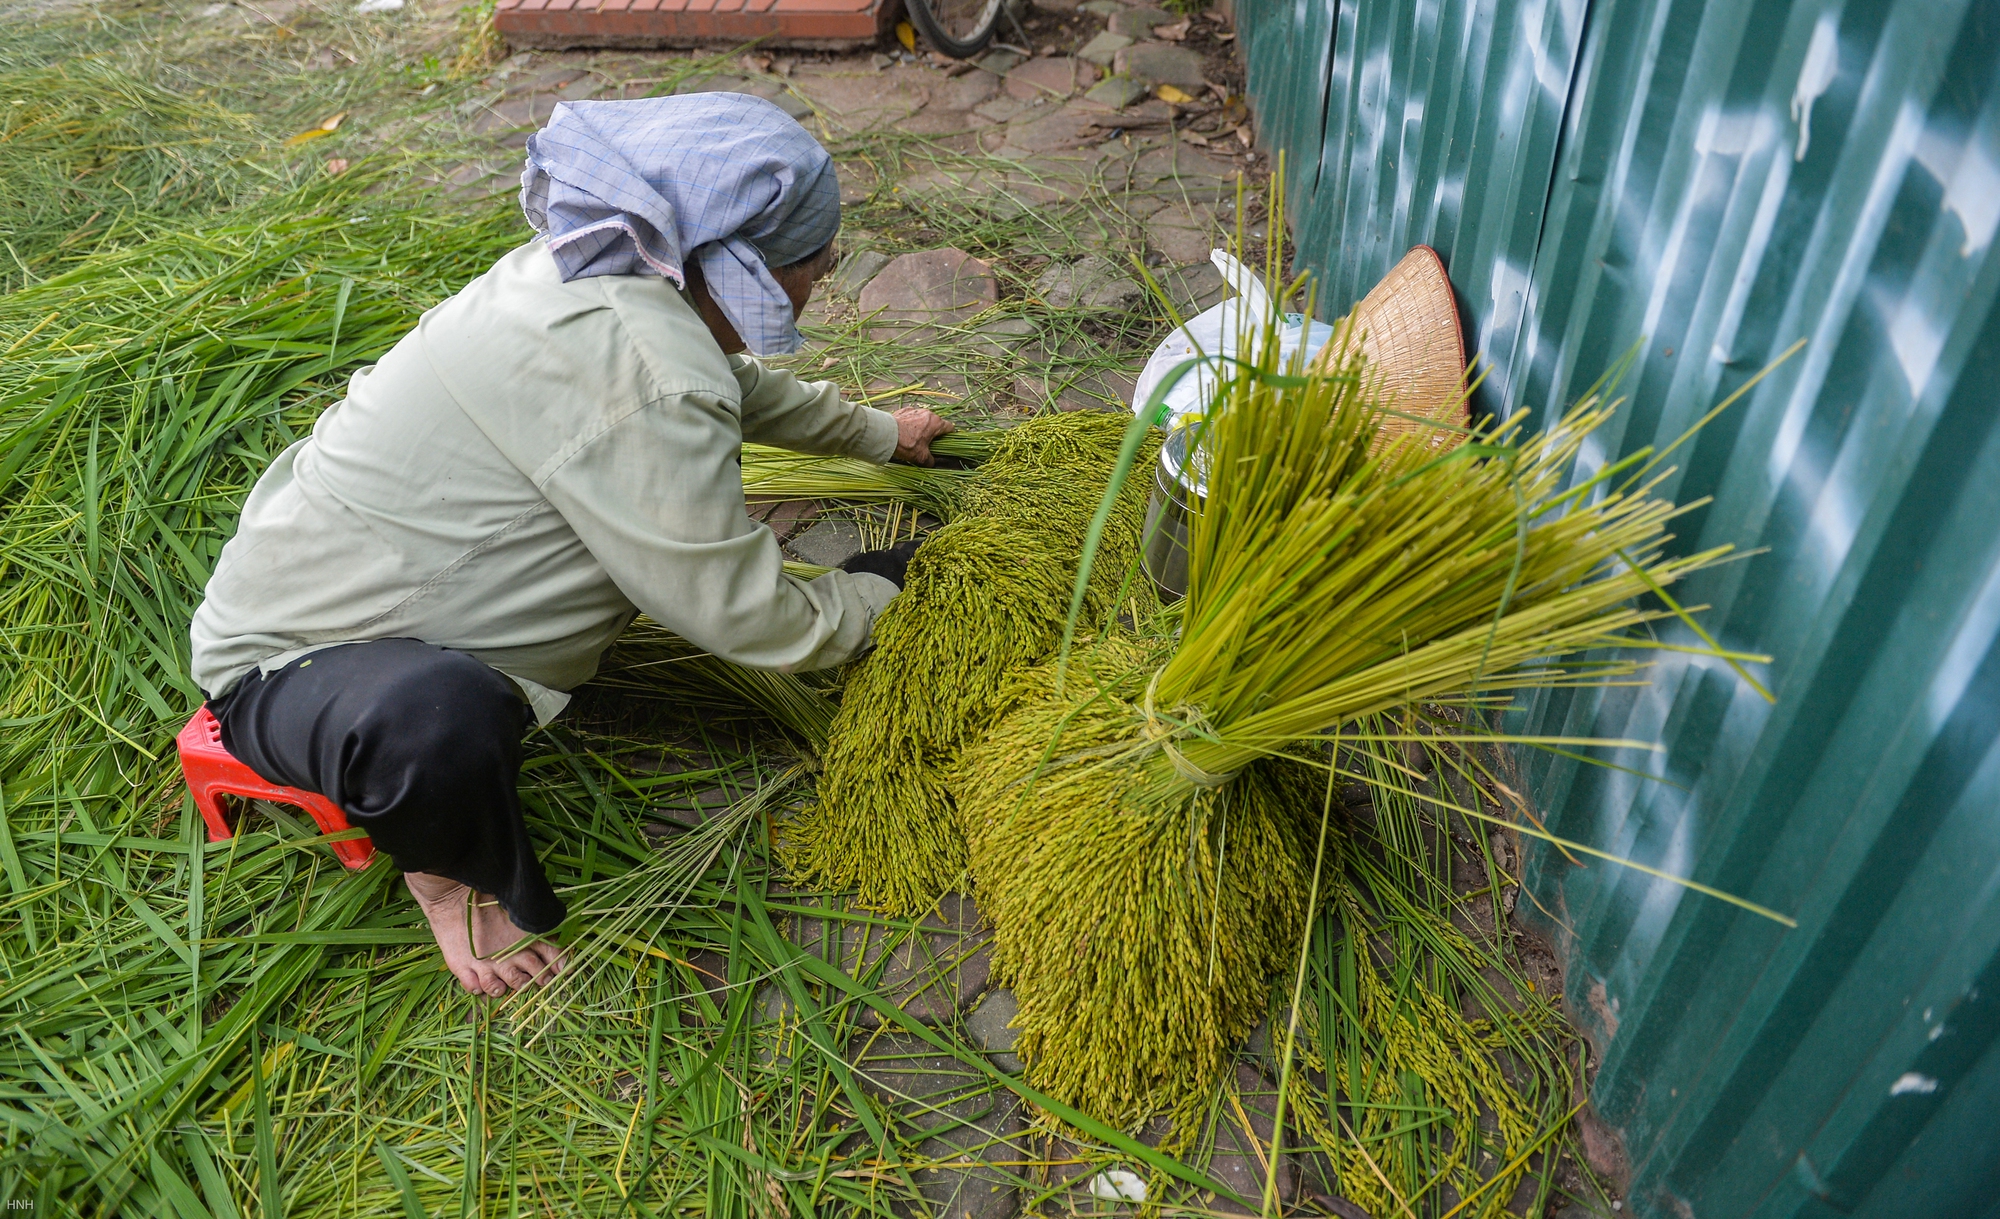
x,y
915,429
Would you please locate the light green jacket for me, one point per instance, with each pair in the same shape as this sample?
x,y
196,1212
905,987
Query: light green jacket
x,y
530,467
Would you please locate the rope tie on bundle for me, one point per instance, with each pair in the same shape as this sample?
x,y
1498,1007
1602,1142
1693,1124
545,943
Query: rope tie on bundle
x,y
1163,735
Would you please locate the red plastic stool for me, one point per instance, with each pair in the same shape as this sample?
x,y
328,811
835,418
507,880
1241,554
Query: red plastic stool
x,y
213,772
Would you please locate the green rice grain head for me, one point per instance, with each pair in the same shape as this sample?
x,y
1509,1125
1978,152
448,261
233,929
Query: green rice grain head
x,y
984,596
1136,916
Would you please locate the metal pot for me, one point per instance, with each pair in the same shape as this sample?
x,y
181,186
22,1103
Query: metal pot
x,y
1178,486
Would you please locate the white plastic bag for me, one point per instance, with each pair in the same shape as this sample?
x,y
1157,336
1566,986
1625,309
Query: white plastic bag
x,y
1212,335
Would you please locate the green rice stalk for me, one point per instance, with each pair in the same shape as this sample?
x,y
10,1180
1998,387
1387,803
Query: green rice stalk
x,y
778,474
1327,583
89,152
145,391
649,661
1394,1062
984,596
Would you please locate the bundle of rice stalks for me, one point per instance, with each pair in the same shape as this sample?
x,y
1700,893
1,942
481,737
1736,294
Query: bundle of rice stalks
x,y
985,595
651,662
777,474
1123,813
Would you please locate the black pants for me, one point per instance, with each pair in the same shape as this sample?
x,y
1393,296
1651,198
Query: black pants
x,y
419,745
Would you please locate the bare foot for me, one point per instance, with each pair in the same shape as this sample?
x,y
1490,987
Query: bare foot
x,y
481,965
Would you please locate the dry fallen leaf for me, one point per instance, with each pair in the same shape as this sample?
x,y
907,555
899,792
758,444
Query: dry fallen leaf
x,y
335,166
1173,33
1194,137
907,35
1174,94
313,133
1243,134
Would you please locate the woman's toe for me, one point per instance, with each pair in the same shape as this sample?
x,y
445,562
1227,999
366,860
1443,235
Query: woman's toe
x,y
533,968
548,962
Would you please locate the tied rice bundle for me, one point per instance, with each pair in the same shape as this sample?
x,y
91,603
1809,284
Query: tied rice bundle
x,y
1125,920
1134,821
776,474
984,596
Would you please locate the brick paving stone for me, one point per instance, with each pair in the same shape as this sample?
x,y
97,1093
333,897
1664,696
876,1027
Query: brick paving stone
x,y
965,92
978,1126
933,976
857,182
979,190
1182,233
989,1027
1093,282
939,122
1101,49
1033,190
546,81
1102,8
1001,109
511,115
1139,22
1116,92
1241,1164
1140,206
859,100
770,91
933,286
1001,338
1064,167
1055,76
1108,389
1141,126
1069,126
1177,172
998,61
784,517
1194,288
855,272
1161,63
828,544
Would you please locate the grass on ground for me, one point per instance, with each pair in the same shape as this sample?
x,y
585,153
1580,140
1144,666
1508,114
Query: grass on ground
x,y
244,1028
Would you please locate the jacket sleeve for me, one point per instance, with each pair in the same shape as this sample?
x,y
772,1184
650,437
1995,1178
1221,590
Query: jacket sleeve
x,y
658,499
809,416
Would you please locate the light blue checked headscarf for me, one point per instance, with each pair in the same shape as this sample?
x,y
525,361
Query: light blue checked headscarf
x,y
639,187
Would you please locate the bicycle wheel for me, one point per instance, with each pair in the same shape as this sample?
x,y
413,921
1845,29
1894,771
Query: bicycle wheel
x,y
958,28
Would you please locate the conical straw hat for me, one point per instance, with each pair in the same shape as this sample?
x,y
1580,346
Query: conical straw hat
x,y
1409,332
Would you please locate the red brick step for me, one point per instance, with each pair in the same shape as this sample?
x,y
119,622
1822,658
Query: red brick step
x,y
828,25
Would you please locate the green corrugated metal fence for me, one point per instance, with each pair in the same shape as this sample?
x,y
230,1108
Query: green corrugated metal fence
x,y
1718,180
